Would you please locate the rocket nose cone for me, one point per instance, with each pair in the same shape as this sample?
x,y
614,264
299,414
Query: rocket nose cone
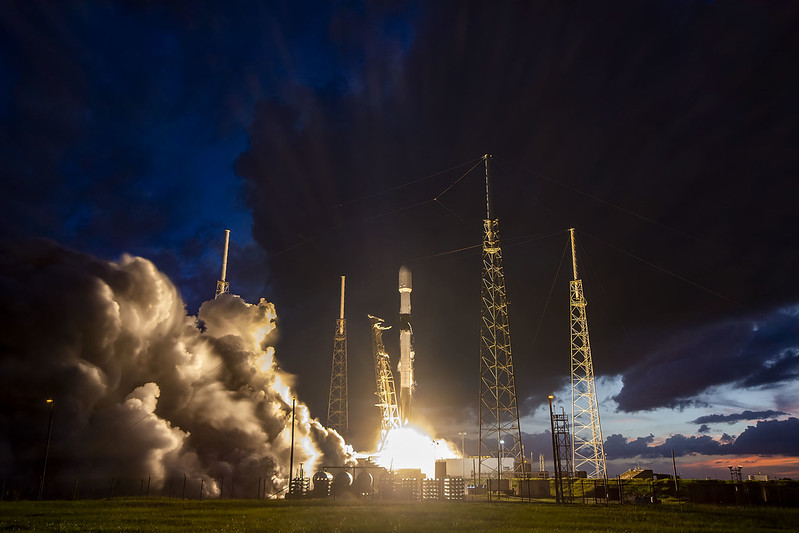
x,y
405,278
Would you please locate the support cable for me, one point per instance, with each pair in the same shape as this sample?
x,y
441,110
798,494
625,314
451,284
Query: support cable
x,y
549,297
329,230
414,182
669,272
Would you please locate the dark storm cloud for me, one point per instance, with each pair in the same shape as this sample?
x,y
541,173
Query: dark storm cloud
x,y
653,107
139,390
768,437
121,123
737,417
759,352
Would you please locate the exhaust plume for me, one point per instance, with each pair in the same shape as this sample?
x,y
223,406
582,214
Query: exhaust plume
x,y
141,388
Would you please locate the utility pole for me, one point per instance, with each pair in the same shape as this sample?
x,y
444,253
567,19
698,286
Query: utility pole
x,y
674,467
498,410
337,407
291,457
588,451
47,449
463,453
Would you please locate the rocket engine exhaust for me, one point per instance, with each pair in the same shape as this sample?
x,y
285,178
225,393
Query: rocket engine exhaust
x,y
406,346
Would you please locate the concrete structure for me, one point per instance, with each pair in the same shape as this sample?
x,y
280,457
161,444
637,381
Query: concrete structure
x,y
637,473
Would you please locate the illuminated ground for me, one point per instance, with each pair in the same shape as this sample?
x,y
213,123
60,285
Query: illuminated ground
x,y
281,515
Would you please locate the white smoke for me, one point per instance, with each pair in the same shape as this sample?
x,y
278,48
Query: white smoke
x,y
141,388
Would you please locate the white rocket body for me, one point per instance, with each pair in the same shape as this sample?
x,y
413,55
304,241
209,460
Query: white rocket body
x,y
222,286
406,345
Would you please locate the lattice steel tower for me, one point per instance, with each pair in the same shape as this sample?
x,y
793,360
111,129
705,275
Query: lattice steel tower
x,y
337,407
588,452
386,393
498,410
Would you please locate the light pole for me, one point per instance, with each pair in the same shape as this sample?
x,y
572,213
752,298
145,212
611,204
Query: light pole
x,y
499,470
463,453
291,459
47,449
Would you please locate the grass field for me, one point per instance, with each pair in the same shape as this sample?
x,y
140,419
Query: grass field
x,y
309,515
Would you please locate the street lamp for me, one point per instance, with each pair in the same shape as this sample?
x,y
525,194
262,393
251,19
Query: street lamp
x,y
47,449
463,453
499,470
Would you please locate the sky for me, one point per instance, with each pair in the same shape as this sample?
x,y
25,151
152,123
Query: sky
x,y
344,138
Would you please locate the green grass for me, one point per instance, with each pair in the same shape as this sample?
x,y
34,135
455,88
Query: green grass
x,y
309,515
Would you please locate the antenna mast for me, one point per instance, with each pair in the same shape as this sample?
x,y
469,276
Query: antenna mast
x,y
223,286
588,450
498,409
337,407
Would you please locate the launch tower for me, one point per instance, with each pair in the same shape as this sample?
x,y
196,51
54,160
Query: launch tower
x,y
498,409
337,407
406,346
386,394
222,286
588,452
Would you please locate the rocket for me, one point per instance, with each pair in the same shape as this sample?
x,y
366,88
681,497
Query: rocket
x,y
406,346
222,286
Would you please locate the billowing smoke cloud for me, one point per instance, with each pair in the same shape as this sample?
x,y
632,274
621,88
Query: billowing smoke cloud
x,y
140,387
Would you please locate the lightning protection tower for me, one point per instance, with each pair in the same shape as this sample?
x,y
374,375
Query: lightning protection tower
x,y
337,407
498,410
588,452
223,286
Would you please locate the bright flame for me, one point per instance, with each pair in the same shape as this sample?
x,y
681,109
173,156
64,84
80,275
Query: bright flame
x,y
408,447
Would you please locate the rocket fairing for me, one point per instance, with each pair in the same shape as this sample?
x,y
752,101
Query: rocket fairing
x,y
406,346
